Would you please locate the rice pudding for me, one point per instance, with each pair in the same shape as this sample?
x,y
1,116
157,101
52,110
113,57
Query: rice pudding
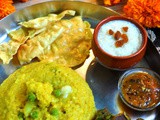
x,y
119,38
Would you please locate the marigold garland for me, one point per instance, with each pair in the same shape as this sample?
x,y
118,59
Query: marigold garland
x,y
146,12
6,8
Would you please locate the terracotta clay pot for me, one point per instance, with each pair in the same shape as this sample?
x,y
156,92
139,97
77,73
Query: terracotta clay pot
x,y
118,62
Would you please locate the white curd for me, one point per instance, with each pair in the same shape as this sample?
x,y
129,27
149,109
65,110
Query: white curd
x,y
107,41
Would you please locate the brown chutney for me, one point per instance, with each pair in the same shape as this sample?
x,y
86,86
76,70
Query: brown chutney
x,y
141,90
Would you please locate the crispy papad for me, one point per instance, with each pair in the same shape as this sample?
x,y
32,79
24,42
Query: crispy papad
x,y
44,21
8,49
56,38
35,46
72,48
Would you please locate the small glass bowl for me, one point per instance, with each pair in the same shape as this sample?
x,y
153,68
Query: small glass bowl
x,y
134,71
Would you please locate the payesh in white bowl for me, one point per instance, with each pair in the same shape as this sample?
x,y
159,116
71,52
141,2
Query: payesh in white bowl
x,y
119,38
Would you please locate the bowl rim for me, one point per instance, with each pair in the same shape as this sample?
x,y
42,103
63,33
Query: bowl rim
x,y
132,71
108,19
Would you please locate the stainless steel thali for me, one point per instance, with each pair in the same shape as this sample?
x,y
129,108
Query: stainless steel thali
x,y
101,80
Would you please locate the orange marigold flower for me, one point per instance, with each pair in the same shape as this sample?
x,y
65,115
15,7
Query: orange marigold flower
x,y
146,12
6,8
111,2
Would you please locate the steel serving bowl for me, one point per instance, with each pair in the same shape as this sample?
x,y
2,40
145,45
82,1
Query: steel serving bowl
x,y
118,62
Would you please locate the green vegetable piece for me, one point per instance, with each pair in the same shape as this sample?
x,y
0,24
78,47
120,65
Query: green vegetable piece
x,y
108,117
99,118
54,112
20,115
103,114
58,93
31,97
28,108
34,114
